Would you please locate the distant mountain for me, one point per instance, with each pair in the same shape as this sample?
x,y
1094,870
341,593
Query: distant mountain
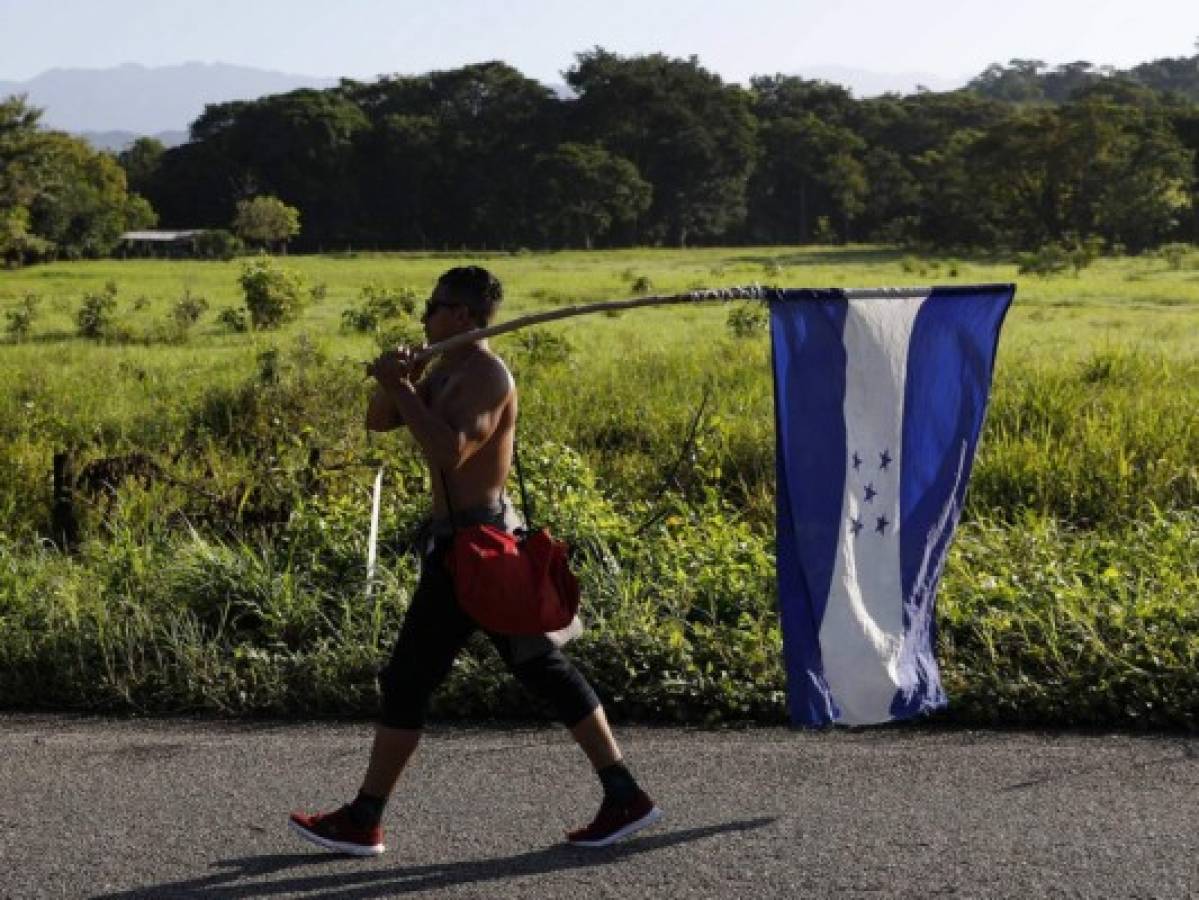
x,y
864,83
120,140
144,100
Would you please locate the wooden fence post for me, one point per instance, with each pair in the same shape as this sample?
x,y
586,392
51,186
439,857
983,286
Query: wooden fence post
x,y
311,477
64,525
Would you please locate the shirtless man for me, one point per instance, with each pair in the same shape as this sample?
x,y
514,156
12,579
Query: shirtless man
x,y
462,415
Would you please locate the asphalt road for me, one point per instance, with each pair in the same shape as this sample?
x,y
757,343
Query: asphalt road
x,y
170,808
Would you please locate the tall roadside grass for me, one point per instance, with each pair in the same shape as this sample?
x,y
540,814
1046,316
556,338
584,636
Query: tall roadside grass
x,y
1040,623
1095,443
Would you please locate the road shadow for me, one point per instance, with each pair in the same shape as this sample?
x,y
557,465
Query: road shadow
x,y
346,883
1189,753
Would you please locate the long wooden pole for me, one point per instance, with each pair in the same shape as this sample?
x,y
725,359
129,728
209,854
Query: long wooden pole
x,y
750,292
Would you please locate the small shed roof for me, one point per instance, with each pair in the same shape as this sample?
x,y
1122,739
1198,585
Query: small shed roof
x,y
164,236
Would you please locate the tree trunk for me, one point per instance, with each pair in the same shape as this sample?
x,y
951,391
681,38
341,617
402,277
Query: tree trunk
x,y
805,233
64,526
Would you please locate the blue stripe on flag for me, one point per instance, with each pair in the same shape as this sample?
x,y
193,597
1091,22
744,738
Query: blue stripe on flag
x,y
951,357
809,380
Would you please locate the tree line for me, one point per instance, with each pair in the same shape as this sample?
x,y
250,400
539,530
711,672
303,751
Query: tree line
x,y
651,150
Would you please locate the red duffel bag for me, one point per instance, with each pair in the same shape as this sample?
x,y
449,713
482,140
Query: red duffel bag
x,y
513,583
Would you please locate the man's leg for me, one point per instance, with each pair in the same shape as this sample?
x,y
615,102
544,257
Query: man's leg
x,y
390,752
626,808
433,632
595,737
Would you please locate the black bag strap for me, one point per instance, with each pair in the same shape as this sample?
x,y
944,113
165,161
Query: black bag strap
x,y
520,477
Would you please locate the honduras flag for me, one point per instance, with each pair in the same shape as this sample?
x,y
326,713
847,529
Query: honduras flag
x,y
879,400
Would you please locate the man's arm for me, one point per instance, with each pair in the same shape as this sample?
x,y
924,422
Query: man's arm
x,y
381,414
450,439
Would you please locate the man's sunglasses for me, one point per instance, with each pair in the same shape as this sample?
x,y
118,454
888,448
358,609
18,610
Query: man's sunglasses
x,y
431,306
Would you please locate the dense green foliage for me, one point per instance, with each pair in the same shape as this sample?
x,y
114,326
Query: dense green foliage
x,y
585,192
656,150
642,150
59,197
218,243
265,222
226,573
1032,81
274,294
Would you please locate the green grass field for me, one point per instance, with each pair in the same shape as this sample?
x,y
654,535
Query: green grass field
x,y
1137,306
1069,598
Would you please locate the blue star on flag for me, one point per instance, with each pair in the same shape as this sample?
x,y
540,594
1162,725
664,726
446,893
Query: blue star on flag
x,y
870,493
884,460
881,525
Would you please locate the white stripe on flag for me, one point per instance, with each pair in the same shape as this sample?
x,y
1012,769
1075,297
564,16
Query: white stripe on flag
x,y
861,633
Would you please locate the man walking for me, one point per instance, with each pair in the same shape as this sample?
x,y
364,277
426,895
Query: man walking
x,y
462,415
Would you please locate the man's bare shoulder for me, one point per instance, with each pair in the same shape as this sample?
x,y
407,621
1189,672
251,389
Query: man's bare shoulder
x,y
488,368
481,383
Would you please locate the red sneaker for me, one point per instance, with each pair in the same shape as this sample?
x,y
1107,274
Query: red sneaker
x,y
337,832
617,820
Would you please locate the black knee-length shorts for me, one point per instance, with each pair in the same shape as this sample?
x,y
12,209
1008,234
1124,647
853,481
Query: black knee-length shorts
x,y
435,630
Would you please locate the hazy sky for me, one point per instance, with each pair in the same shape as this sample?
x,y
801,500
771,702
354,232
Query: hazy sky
x,y
364,38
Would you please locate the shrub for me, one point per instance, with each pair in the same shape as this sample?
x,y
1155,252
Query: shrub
x,y
187,309
1174,254
407,334
307,354
233,319
824,232
1083,253
900,230
219,244
94,318
642,285
268,366
267,220
748,319
1049,259
380,304
1055,257
541,346
20,320
274,294
177,327
356,319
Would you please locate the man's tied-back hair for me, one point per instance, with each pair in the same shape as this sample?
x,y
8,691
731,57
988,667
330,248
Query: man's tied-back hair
x,y
476,288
